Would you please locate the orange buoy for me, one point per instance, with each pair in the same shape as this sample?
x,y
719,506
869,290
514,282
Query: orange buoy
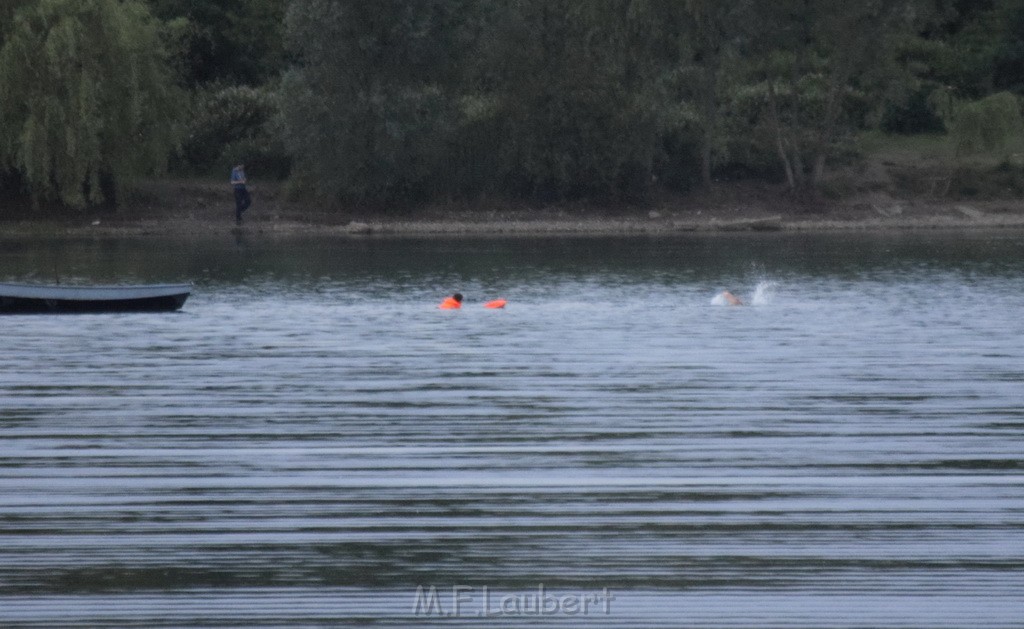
x,y
496,303
451,303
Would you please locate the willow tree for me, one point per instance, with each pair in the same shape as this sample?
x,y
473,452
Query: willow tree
x,y
992,125
86,98
989,127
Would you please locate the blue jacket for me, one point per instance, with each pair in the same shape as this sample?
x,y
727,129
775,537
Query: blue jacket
x,y
238,177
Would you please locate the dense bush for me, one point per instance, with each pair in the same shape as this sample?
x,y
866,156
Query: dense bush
x,y
991,124
371,112
912,116
234,124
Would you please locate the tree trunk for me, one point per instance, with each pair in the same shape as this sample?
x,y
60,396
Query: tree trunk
x,y
705,162
773,116
828,124
709,37
710,106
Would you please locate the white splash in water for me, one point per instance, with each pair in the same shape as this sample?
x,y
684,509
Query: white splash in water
x,y
764,292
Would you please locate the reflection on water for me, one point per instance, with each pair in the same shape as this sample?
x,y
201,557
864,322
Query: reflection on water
x,y
312,442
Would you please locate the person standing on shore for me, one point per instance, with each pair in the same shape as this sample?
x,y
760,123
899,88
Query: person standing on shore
x,y
242,198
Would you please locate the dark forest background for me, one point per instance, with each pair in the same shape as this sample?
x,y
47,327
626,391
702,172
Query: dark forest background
x,y
418,101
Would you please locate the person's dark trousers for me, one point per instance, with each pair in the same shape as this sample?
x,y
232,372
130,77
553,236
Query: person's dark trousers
x,y
242,202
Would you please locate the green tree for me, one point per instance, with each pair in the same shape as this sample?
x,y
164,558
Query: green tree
x,y
708,37
986,39
228,125
990,126
85,98
7,9
1008,57
372,107
576,93
226,41
811,55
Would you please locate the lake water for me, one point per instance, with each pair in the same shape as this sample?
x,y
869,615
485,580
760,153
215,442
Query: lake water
x,y
310,441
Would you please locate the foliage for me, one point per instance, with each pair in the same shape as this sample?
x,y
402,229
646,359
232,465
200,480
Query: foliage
x,y
408,100
911,116
234,124
369,113
818,53
709,70
225,41
1008,55
85,98
989,125
7,10
416,100
578,108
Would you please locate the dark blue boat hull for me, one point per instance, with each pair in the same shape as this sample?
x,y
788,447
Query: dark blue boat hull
x,y
26,299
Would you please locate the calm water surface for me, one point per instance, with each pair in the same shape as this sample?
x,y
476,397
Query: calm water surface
x,y
311,442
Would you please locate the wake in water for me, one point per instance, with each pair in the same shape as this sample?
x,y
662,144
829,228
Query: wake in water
x,y
763,294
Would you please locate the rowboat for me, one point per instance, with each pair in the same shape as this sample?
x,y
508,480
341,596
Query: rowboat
x,y
28,298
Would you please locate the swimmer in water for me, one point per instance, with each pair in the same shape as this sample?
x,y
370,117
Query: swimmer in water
x,y
731,299
452,303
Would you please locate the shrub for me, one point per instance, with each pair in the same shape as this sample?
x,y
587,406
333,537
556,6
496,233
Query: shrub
x,y
231,125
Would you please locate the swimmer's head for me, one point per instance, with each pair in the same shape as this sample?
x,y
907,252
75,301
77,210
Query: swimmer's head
x,y
731,299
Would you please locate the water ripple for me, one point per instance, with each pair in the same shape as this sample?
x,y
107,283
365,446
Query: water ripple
x,y
296,451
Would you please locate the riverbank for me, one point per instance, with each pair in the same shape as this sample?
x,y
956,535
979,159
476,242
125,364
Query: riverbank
x,y
188,207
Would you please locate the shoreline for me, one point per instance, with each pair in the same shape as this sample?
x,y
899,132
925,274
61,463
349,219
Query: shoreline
x,y
527,226
192,208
